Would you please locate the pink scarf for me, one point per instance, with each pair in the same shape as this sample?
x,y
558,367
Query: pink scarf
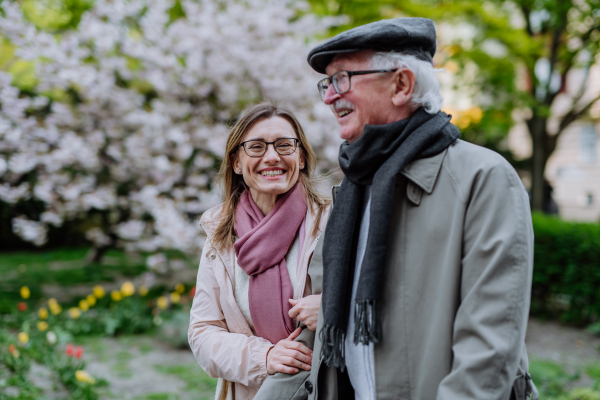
x,y
263,243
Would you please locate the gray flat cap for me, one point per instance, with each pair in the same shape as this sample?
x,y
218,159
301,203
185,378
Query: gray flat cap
x,y
414,36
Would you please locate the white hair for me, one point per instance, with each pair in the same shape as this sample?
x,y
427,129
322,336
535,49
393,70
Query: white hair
x,y
427,87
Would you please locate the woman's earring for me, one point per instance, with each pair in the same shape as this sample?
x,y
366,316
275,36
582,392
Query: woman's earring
x,y
239,171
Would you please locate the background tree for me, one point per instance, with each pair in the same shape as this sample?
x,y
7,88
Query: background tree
x,y
525,55
113,119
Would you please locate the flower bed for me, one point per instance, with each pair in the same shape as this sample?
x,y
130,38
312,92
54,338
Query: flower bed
x,y
45,332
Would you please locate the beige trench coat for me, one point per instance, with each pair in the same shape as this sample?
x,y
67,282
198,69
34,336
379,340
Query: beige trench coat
x,y
458,281
219,335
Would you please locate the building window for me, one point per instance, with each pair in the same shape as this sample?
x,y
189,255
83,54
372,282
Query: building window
x,y
588,138
590,199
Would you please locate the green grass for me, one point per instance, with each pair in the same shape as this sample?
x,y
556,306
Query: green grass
x,y
196,379
95,345
63,267
550,377
146,348
553,381
121,364
161,396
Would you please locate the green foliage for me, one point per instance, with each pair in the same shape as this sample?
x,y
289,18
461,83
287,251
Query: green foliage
x,y
583,394
55,15
566,276
549,377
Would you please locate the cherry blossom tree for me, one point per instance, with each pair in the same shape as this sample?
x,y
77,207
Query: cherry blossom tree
x,y
128,118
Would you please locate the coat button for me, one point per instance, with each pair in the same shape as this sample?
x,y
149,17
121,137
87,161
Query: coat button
x,y
308,386
212,256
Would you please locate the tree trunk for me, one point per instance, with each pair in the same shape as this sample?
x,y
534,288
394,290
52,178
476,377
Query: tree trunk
x,y
96,253
539,137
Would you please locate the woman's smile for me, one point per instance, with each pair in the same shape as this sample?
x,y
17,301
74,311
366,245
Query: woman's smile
x,y
272,173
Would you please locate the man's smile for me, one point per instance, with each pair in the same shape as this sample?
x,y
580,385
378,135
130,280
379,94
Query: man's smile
x,y
342,108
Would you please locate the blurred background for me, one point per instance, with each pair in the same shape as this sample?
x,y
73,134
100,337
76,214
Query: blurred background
x,y
113,121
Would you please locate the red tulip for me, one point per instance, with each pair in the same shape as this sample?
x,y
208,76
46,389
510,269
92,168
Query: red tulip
x,y
22,306
193,291
69,349
78,352
12,349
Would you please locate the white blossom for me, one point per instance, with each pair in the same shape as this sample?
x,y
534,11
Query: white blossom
x,y
30,231
130,119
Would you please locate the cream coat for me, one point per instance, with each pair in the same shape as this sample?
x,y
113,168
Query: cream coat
x,y
219,335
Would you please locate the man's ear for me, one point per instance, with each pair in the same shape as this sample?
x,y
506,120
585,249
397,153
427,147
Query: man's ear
x,y
404,81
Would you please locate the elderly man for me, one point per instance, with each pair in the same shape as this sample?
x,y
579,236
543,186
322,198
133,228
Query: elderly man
x,y
428,251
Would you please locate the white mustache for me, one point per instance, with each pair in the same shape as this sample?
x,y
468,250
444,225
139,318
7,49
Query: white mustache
x,y
341,103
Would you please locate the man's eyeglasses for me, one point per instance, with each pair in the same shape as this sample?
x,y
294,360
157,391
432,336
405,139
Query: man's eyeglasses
x,y
258,148
341,80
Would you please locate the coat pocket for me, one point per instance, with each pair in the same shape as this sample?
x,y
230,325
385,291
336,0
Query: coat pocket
x,y
523,388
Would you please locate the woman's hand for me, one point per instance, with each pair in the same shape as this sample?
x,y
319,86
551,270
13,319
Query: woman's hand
x,y
306,310
288,356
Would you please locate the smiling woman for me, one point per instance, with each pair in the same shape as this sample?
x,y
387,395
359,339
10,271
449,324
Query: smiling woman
x,y
269,170
253,285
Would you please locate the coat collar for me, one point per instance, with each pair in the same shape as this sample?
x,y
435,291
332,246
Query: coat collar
x,y
424,171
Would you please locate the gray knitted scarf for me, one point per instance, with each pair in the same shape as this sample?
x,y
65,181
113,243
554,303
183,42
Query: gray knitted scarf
x,y
376,158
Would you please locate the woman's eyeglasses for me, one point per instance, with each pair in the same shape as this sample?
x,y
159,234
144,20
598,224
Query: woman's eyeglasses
x,y
258,148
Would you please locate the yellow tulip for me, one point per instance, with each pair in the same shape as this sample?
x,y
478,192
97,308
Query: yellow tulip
x,y
180,288
83,304
43,313
175,297
42,326
25,293
23,337
127,289
116,295
162,302
91,300
99,291
83,376
74,312
55,308
143,290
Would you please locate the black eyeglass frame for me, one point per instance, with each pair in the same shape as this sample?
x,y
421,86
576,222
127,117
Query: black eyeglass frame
x,y
243,145
332,80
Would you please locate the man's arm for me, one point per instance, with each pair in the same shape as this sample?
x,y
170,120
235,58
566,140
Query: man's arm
x,y
497,267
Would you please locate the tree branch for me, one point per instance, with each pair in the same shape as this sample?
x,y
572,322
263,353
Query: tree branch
x,y
587,35
526,13
583,86
553,57
573,115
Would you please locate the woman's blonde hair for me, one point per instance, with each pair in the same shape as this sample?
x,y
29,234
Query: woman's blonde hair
x,y
234,185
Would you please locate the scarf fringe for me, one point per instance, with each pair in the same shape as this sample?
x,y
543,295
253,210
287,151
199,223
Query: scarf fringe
x,y
332,350
367,322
